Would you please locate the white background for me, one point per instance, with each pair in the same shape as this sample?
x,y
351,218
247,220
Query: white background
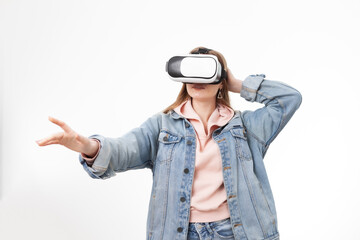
x,y
99,66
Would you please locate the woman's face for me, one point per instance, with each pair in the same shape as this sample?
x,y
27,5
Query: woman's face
x,y
201,91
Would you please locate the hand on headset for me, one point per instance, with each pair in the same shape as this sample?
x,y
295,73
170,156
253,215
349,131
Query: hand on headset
x,y
234,85
70,139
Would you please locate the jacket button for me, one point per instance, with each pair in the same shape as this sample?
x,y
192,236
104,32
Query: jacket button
x,y
244,132
186,170
165,138
187,125
182,199
189,142
180,229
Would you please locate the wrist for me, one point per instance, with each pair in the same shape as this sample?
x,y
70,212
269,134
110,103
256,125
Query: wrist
x,y
92,148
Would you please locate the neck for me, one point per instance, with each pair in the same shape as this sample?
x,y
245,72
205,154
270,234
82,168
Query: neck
x,y
204,109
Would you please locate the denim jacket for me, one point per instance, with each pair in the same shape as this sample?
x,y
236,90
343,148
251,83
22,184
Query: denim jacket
x,y
166,143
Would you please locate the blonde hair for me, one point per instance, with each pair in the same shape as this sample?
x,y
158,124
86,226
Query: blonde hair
x,y
183,94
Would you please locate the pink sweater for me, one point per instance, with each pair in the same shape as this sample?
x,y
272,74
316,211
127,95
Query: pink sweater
x,y
208,200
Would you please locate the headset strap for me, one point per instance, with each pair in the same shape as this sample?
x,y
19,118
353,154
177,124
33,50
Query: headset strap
x,y
202,51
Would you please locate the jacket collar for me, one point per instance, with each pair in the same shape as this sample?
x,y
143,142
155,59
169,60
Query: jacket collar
x,y
175,115
236,121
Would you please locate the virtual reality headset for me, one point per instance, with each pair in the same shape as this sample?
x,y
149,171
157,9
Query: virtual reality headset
x,y
196,68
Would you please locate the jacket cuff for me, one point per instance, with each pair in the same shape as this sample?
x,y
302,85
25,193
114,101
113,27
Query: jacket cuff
x,y
250,86
98,168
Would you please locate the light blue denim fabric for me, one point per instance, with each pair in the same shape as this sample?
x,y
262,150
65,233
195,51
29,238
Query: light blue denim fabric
x,y
219,230
166,143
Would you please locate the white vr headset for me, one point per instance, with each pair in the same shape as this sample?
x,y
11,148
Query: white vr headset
x,y
196,68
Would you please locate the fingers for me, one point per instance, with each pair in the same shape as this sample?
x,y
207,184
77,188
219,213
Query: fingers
x,y
53,139
42,144
230,74
61,124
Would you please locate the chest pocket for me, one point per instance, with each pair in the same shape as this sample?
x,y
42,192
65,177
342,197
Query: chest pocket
x,y
167,141
242,146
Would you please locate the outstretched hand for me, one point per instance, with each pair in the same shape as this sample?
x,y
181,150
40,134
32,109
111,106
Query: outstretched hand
x,y
70,139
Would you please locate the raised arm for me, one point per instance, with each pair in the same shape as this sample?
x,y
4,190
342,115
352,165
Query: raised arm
x,y
281,102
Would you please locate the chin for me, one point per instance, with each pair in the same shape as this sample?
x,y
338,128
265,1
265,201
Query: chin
x,y
203,98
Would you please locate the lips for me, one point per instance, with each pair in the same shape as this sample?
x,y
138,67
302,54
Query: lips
x,y
198,86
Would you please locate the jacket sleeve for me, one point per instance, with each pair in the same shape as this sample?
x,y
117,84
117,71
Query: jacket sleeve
x,y
135,150
281,101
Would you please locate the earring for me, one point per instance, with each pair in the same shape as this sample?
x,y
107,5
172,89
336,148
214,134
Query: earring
x,y
219,95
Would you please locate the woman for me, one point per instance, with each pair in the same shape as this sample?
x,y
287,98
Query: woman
x,y
209,180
